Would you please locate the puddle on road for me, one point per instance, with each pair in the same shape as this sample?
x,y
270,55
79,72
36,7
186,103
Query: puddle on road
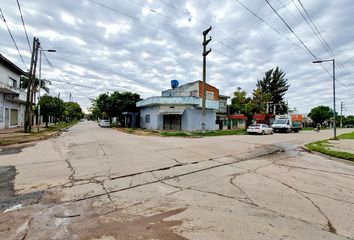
x,y
290,149
14,150
8,197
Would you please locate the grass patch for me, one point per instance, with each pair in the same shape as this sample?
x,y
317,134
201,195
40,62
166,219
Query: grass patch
x,y
221,133
324,147
347,136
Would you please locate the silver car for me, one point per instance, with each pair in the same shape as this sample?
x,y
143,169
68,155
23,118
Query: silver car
x,y
104,123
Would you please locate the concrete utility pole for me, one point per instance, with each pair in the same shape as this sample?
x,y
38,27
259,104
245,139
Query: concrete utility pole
x,y
334,92
205,53
341,113
31,80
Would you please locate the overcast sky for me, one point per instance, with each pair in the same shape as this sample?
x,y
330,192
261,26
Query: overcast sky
x,y
139,46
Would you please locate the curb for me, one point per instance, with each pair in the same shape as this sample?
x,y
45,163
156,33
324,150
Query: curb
x,y
342,160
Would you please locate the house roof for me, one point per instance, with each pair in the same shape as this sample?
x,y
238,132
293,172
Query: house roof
x,y
10,65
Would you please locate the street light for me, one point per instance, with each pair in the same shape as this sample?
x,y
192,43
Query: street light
x,y
40,83
334,92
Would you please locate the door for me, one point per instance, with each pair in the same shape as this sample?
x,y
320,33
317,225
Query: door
x,y
172,122
7,118
13,117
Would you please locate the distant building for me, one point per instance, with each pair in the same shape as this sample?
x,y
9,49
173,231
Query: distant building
x,y
222,113
235,121
12,97
180,108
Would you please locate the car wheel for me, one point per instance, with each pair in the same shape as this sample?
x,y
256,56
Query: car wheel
x,y
263,132
271,132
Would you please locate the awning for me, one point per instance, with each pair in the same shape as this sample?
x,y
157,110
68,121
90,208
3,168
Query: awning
x,y
171,112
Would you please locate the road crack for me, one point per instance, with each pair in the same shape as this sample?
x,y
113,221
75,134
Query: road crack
x,y
168,177
330,226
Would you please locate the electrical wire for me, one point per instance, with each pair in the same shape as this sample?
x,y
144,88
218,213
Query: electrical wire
x,y
321,39
23,24
12,37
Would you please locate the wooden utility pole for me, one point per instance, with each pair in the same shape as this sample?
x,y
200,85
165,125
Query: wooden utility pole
x,y
205,53
30,86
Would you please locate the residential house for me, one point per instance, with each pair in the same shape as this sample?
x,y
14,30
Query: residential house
x,y
223,111
180,108
12,98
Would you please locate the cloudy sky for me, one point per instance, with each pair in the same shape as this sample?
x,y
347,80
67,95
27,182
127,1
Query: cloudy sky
x,y
139,46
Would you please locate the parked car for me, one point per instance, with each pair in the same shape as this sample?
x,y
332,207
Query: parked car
x,y
349,126
260,129
104,123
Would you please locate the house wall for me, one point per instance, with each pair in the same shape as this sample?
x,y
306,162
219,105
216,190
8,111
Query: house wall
x,y
194,89
210,89
6,75
6,79
191,120
186,90
156,121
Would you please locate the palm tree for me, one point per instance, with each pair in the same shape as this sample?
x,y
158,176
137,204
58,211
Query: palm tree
x,y
44,86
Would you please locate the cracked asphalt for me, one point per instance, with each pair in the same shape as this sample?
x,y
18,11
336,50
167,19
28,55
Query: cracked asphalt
x,y
95,183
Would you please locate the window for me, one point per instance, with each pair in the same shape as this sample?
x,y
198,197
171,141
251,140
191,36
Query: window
x,y
13,83
147,118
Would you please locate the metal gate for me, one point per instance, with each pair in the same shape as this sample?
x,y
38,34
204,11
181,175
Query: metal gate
x,y
172,122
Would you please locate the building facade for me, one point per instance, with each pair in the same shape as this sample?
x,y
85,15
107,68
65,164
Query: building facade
x,y
12,97
180,108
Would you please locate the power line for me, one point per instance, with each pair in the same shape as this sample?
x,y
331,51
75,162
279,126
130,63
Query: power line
x,y
23,24
12,37
303,44
261,19
287,25
142,21
320,37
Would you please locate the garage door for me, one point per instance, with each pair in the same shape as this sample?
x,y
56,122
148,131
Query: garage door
x,y
172,122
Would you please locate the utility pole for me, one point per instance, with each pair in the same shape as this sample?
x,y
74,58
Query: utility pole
x,y
31,80
205,53
341,113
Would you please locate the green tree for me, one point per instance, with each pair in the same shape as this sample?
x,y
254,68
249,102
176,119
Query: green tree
x,y
320,114
114,104
240,103
276,85
348,120
72,111
51,106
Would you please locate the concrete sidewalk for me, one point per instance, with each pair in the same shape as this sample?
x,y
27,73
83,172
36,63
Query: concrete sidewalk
x,y
342,145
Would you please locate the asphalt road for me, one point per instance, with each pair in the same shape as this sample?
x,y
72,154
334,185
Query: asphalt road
x,y
95,183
